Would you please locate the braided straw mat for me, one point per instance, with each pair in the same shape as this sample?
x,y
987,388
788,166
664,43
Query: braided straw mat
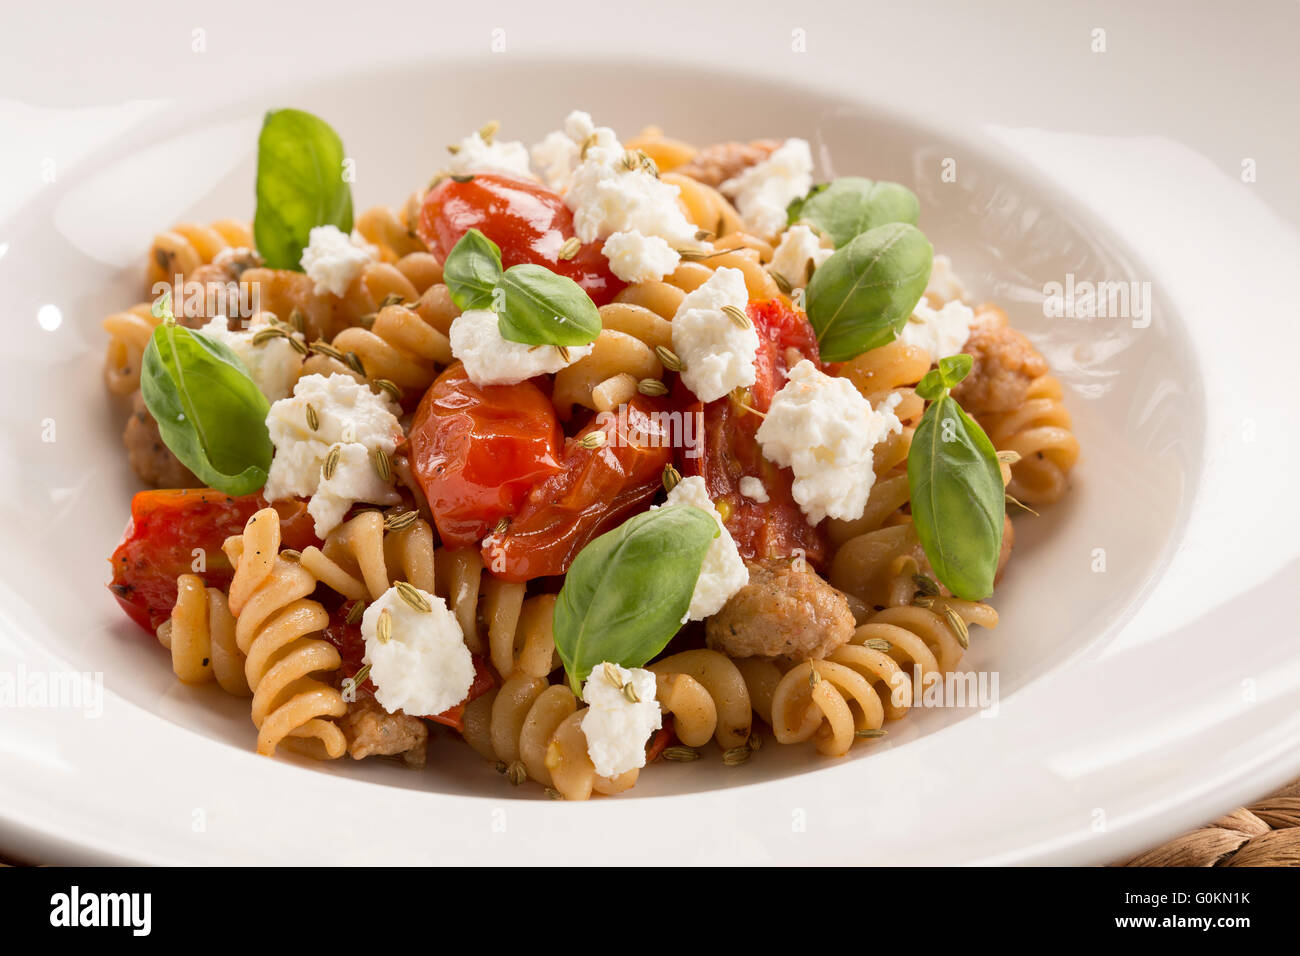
x,y
1266,833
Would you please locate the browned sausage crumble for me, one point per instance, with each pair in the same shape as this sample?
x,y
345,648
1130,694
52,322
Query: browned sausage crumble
x,y
781,612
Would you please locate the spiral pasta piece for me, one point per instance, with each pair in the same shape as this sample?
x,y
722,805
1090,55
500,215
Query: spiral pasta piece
x,y
187,246
1040,432
707,696
201,637
666,152
704,206
639,321
128,336
391,232
275,627
849,695
361,560
533,730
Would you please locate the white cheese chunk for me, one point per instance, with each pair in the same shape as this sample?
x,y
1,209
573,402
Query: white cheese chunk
x,y
823,430
618,724
637,258
943,282
723,572
332,259
609,194
424,667
348,416
491,359
753,488
474,155
273,365
718,353
763,191
560,152
941,332
799,252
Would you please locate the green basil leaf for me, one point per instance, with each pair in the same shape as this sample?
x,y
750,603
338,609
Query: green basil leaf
x,y
958,500
628,591
793,211
861,296
954,368
472,270
949,374
539,307
209,412
851,205
300,185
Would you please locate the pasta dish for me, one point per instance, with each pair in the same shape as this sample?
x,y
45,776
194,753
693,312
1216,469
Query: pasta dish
x,y
594,453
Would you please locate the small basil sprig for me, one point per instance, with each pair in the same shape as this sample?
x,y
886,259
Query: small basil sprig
x,y
628,591
534,305
209,412
472,271
300,185
958,499
860,297
849,206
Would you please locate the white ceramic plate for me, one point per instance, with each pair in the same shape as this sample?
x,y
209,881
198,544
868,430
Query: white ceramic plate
x,y
1134,701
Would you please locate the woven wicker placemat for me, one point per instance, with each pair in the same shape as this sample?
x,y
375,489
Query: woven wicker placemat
x,y
1266,833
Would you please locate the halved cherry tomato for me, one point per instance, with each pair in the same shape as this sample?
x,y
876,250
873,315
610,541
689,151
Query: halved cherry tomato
x,y
777,527
662,739
346,638
477,450
165,530
599,487
528,221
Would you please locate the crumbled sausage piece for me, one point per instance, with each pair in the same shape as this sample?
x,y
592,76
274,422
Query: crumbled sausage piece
x,y
715,164
1004,365
153,461
372,731
781,612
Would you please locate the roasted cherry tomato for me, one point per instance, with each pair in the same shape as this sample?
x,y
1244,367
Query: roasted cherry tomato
x,y
165,530
528,221
599,488
777,527
346,637
477,450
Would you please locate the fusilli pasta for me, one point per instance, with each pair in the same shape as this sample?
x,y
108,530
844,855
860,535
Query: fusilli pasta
x,y
201,637
275,626
185,247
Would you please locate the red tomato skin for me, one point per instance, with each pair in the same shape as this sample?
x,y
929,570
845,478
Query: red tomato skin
x,y
477,450
527,220
346,638
598,489
775,528
165,528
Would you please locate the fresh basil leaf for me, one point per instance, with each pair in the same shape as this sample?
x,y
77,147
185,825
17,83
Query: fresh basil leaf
x,y
851,205
954,368
949,374
861,296
472,270
793,211
300,185
209,412
958,499
628,591
539,307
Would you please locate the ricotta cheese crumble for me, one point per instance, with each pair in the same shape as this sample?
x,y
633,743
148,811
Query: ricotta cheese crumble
x,y
621,714
418,659
491,359
822,429
349,419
